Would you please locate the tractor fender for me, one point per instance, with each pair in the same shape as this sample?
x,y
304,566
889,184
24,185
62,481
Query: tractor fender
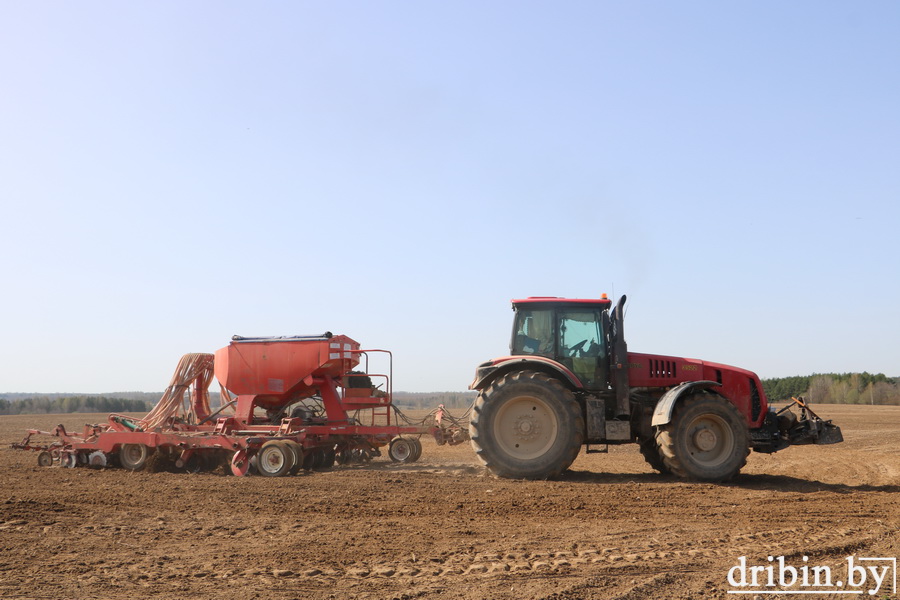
x,y
491,370
662,414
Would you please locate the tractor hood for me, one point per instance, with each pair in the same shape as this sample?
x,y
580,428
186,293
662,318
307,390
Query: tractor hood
x,y
740,386
656,370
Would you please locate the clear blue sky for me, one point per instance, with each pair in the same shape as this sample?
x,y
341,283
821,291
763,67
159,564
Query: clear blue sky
x,y
172,173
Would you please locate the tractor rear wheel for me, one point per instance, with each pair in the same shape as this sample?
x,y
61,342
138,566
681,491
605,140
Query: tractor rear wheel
x,y
527,425
707,439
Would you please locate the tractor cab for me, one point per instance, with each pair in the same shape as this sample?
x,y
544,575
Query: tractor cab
x,y
574,333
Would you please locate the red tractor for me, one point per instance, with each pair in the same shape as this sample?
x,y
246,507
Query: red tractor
x,y
570,381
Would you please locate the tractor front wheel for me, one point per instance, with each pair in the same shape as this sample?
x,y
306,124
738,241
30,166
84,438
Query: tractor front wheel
x,y
527,425
707,439
651,454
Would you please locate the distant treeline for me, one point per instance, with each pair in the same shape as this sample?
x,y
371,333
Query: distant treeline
x,y
72,404
429,400
835,388
142,402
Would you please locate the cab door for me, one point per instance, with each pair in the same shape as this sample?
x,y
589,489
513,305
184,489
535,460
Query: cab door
x,y
582,346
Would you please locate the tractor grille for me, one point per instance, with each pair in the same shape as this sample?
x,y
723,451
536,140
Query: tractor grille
x,y
662,369
755,401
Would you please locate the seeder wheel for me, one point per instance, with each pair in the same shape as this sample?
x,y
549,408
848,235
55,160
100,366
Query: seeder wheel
x,y
312,459
275,459
402,450
45,459
97,459
297,449
133,456
417,448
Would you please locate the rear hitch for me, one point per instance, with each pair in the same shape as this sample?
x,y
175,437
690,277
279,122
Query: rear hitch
x,y
809,428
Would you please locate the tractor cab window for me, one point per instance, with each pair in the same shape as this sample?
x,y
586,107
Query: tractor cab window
x,y
533,333
582,346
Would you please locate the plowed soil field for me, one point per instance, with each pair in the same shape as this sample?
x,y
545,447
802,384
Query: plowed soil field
x,y
442,528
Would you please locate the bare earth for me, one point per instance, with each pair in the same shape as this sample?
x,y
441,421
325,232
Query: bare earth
x,y
441,528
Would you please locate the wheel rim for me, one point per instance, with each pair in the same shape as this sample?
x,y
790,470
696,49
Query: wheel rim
x,y
133,455
710,441
526,427
272,459
401,450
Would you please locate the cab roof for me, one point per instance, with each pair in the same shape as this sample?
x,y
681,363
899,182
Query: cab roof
x,y
602,301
